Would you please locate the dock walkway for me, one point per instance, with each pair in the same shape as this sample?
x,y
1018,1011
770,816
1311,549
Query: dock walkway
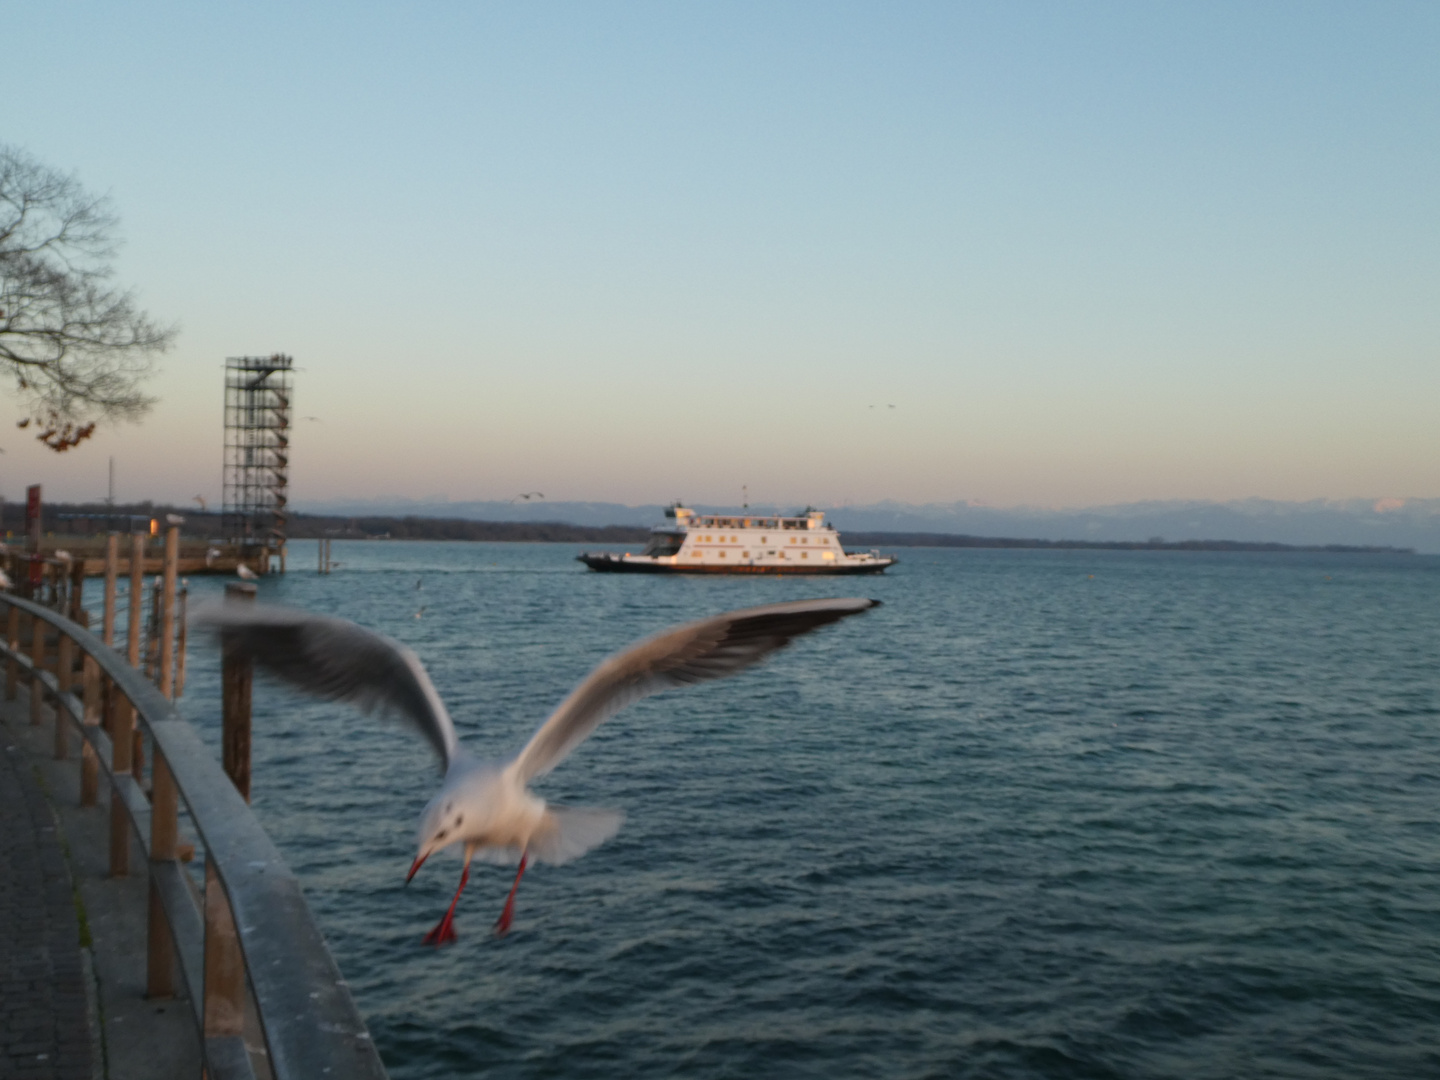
x,y
46,1026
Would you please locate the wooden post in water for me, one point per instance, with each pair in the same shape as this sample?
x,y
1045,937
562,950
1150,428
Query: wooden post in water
x,y
137,587
167,613
236,676
37,660
12,638
64,670
180,645
89,764
224,966
112,566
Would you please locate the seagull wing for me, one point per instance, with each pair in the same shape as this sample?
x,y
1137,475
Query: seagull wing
x,y
336,659
709,649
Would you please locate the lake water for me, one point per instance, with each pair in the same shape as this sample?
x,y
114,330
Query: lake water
x,y
1044,814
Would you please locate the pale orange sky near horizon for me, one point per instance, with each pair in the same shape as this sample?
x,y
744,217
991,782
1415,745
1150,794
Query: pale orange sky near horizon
x,y
1092,255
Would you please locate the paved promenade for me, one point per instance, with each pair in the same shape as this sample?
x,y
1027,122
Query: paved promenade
x,y
45,1023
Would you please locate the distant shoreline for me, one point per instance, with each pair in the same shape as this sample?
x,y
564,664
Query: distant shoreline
x,y
91,518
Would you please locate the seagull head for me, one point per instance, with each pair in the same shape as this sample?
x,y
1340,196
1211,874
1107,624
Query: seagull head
x,y
441,825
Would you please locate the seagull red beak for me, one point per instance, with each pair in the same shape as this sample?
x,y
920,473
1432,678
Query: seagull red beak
x,y
419,859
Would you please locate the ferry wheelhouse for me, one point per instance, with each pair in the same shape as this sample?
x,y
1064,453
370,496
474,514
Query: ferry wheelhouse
x,y
740,544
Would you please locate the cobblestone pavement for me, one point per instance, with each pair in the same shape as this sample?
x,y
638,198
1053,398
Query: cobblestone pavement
x,y
44,1020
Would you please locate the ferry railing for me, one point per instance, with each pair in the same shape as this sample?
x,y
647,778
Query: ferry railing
x,y
251,921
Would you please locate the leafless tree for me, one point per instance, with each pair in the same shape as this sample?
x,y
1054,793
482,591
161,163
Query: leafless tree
x,y
76,345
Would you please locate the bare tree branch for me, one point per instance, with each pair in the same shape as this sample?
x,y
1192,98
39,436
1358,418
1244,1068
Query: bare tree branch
x,y
76,345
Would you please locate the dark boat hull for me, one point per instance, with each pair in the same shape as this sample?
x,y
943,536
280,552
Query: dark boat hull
x,y
611,564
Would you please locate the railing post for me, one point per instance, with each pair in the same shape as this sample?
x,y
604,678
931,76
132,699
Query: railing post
x,y
64,670
12,637
160,952
112,567
167,612
122,724
224,966
89,765
37,660
236,677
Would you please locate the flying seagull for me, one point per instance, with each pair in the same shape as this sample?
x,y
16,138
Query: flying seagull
x,y
487,805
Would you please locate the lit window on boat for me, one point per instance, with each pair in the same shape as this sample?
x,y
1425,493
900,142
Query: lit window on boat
x,y
722,554
804,554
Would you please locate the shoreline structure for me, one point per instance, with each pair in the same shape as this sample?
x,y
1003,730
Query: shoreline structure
x,y
71,520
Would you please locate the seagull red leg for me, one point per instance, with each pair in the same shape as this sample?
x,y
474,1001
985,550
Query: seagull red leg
x,y
444,931
502,924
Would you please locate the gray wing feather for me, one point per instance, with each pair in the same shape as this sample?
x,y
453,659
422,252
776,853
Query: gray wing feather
x,y
335,659
709,649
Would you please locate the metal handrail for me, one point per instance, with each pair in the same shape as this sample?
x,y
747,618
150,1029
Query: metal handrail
x,y
309,1020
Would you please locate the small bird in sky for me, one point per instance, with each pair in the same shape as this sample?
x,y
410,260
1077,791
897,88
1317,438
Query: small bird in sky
x,y
204,507
528,495
487,806
315,418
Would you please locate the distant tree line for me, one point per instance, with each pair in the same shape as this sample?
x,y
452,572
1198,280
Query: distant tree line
x,y
88,519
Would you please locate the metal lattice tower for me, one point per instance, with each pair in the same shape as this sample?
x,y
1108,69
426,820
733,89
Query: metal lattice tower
x,y
257,450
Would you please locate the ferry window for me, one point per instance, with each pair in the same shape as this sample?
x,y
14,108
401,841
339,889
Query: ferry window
x,y
722,554
663,544
804,540
764,540
804,554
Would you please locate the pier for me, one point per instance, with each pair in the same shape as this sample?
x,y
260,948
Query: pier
x,y
186,933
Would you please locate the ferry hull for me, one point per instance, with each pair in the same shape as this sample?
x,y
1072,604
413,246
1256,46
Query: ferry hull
x,y
614,564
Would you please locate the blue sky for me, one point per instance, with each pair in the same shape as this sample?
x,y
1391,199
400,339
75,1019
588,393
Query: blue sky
x,y
1090,252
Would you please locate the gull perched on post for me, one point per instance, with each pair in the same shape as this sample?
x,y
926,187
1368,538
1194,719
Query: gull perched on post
x,y
487,805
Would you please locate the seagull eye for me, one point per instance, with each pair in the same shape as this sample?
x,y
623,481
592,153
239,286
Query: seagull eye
x,y
441,834
458,819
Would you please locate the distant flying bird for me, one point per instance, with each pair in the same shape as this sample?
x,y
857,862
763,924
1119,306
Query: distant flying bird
x,y
528,495
315,418
204,507
243,571
487,805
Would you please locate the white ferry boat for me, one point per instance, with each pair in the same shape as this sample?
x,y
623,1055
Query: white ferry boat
x,y
740,544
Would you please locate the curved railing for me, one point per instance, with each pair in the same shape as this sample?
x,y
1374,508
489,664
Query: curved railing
x,y
251,920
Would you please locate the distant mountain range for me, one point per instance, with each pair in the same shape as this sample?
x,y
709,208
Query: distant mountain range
x,y
1390,522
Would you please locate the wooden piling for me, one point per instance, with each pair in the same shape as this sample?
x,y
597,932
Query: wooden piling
x,y
237,674
182,615
167,612
112,567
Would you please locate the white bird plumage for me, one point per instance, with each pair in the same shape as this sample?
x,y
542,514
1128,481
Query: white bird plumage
x,y
488,806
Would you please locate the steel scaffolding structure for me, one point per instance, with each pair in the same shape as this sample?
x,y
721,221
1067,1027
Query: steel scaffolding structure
x,y
257,452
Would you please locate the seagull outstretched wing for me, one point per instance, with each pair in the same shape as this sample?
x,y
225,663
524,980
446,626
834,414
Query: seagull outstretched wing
x,y
336,659
709,649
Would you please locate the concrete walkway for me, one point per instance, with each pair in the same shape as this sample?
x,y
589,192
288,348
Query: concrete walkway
x,y
46,1026
120,1033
